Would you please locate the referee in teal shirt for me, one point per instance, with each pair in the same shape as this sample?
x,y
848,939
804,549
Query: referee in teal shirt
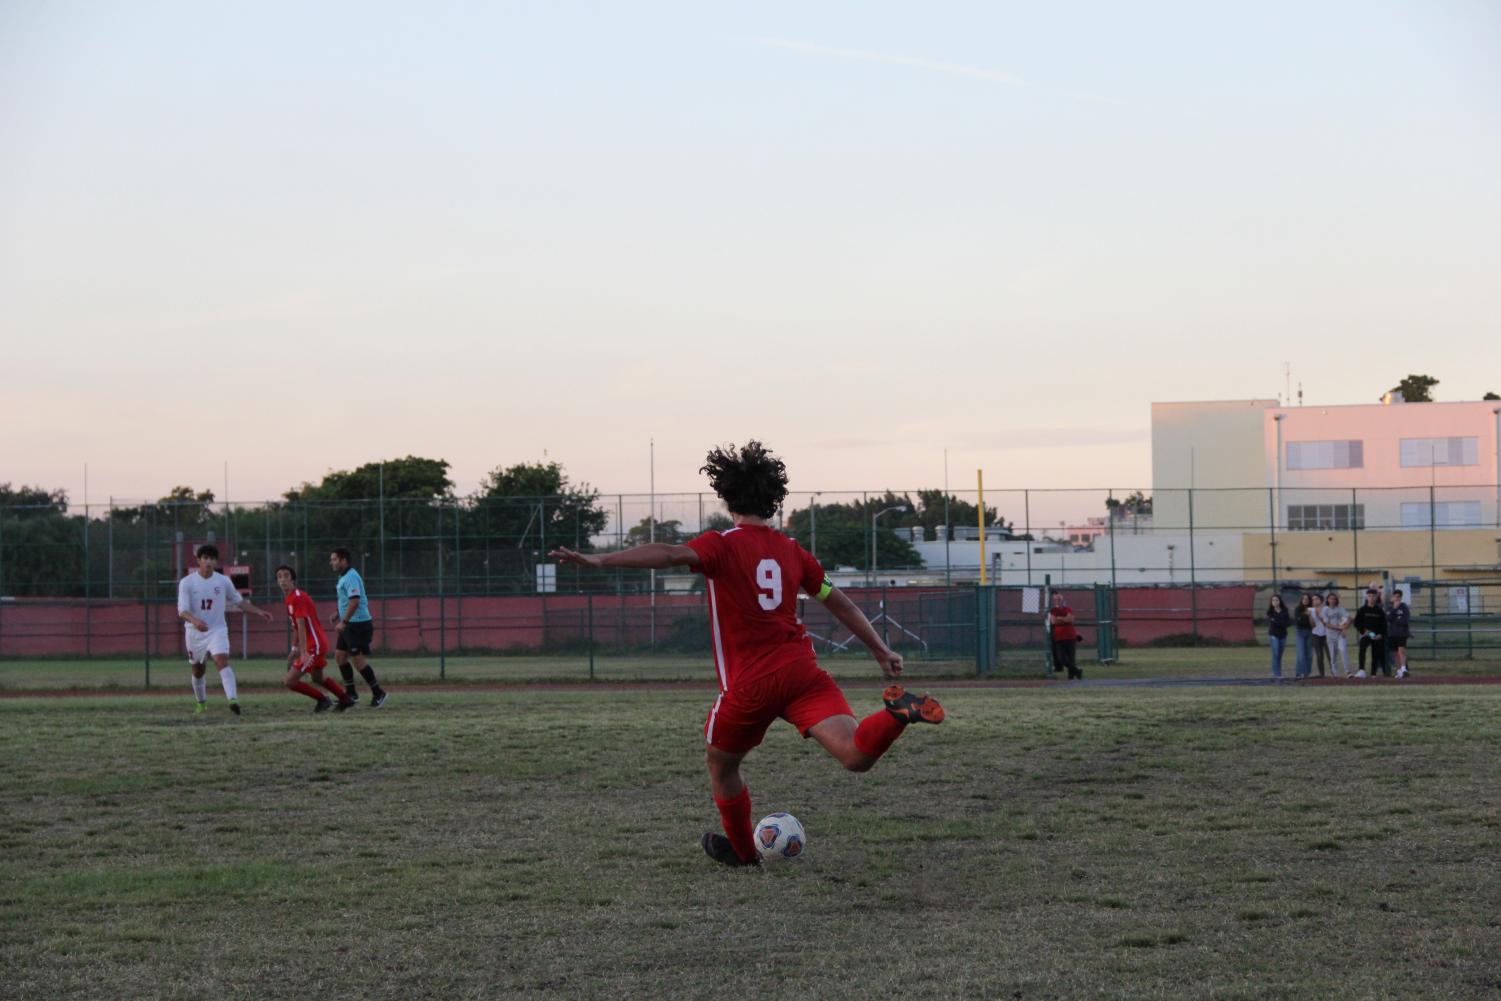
x,y
355,627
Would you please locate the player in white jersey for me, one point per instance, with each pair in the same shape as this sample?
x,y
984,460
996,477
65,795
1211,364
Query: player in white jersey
x,y
202,599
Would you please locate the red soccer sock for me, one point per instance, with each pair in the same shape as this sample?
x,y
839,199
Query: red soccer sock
x,y
334,687
735,815
877,732
304,688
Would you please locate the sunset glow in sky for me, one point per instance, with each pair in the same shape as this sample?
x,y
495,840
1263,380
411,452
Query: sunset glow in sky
x,y
297,237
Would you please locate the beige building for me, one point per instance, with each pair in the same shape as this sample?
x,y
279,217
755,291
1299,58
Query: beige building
x,y
1413,489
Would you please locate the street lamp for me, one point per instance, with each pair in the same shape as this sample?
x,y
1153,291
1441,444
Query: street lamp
x,y
1497,412
813,524
875,518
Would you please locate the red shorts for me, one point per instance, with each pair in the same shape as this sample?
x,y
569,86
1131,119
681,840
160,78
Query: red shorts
x,y
803,694
316,662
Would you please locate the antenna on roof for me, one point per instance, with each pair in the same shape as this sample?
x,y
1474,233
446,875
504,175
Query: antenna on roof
x,y
1300,394
1287,377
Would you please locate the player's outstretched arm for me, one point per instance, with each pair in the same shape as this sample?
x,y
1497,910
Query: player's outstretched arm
x,y
652,556
246,606
850,616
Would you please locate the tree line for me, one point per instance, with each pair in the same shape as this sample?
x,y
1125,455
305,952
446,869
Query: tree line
x,y
418,538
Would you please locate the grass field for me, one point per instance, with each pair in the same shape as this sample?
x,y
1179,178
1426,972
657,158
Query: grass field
x,y
1250,842
1205,662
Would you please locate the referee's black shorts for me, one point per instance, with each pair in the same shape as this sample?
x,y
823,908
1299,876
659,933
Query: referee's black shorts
x,y
356,637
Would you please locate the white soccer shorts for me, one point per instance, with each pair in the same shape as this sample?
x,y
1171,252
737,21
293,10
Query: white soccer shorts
x,y
209,644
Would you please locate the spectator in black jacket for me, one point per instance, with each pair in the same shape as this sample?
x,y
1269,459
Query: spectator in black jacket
x,y
1370,623
1398,628
1277,621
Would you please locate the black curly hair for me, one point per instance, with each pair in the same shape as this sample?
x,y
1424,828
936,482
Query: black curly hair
x,y
749,480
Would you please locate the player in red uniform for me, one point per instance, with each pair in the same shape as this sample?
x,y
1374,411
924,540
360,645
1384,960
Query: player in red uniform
x,y
763,655
309,647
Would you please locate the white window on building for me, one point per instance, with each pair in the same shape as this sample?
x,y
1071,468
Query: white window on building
x,y
1444,514
1425,452
1325,455
1325,517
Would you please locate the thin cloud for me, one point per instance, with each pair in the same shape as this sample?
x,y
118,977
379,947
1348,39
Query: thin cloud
x,y
891,58
917,62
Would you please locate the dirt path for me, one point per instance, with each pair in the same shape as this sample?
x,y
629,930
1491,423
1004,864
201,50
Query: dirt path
x,y
684,686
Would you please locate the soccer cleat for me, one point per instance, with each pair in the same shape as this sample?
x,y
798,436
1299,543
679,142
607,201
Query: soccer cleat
x,y
378,700
354,696
718,848
234,707
911,708
345,703
324,705
199,708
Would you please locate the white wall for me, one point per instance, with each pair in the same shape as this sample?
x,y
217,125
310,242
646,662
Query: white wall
x,y
1139,559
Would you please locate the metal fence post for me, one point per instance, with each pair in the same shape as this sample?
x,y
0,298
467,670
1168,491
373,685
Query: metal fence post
x,y
146,533
1271,507
1469,626
885,619
2,569
1433,574
88,605
458,576
442,607
1027,515
1355,536
1193,580
1111,519
589,619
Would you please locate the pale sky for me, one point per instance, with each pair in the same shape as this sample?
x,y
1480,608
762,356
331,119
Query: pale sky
x,y
299,237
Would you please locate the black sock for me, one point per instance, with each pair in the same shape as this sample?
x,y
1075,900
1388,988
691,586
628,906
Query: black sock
x,y
368,673
348,674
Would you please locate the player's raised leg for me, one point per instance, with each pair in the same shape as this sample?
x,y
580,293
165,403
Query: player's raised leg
x,y
858,746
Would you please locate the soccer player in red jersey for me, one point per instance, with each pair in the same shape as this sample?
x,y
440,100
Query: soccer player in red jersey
x,y
763,655
309,646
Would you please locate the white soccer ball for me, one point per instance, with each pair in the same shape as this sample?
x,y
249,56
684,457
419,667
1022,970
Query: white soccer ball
x,y
780,836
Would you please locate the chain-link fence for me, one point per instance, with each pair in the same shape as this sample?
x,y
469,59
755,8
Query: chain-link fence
x,y
441,568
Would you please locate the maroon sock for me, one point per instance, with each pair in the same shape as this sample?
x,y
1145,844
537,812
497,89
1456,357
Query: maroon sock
x,y
304,688
735,815
877,732
335,687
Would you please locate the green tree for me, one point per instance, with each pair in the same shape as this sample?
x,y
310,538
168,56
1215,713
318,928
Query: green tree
x,y
844,533
670,532
931,513
1135,505
1416,388
522,511
1491,396
41,545
717,521
411,477
390,515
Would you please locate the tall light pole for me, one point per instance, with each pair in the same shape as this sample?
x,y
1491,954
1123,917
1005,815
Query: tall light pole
x,y
1276,494
875,518
813,525
1497,412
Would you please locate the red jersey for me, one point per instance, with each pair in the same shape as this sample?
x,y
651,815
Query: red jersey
x,y
753,573
1062,630
300,606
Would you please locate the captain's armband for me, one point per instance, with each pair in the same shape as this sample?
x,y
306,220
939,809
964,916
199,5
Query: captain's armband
x,y
824,591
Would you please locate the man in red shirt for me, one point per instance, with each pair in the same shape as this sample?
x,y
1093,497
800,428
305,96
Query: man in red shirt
x,y
1064,635
763,656
309,646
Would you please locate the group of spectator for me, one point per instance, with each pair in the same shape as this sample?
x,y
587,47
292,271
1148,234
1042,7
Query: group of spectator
x,y
1319,626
